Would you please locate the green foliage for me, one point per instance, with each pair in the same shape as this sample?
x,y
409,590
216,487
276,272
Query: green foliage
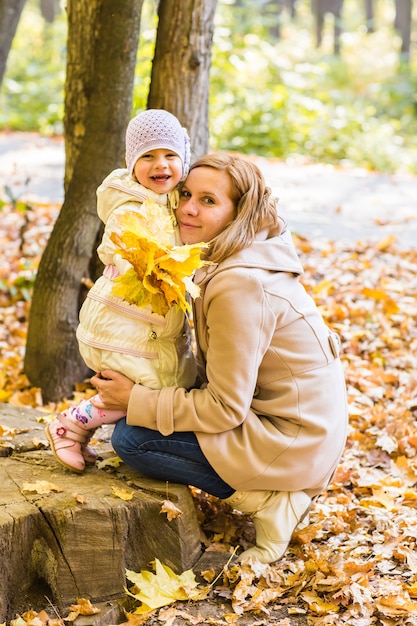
x,y
32,92
274,98
19,286
149,23
287,99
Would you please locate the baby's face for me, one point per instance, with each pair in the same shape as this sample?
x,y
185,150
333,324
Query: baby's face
x,y
159,170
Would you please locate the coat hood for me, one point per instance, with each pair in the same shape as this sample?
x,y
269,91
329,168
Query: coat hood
x,y
272,250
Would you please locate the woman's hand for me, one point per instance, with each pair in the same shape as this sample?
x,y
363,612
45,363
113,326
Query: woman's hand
x,y
113,388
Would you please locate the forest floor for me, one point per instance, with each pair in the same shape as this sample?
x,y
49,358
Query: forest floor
x,y
356,233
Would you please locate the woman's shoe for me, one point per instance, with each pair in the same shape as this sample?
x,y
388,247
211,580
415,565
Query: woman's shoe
x,y
275,514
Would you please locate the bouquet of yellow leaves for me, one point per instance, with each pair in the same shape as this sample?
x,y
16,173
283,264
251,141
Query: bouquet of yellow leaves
x,y
161,274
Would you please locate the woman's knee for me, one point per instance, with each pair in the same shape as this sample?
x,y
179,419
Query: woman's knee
x,y
130,439
120,439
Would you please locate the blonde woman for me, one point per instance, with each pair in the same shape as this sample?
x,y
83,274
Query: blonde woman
x,y
266,426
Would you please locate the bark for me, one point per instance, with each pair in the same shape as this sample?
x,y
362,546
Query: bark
x,y
181,65
320,8
76,540
10,12
102,46
403,20
369,12
49,9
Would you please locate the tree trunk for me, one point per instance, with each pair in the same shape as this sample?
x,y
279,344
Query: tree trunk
x,y
369,12
10,12
49,9
273,10
102,47
403,20
181,65
320,8
74,538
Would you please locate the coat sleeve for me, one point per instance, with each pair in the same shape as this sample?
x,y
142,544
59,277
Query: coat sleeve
x,y
107,250
239,326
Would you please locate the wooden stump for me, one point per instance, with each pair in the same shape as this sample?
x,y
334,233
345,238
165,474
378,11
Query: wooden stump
x,y
65,536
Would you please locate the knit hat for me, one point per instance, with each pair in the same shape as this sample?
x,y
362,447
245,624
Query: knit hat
x,y
153,129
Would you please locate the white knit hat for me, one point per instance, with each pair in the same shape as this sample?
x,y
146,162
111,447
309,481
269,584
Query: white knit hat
x,y
153,129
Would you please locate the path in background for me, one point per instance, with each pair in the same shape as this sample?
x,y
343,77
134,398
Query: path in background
x,y
321,201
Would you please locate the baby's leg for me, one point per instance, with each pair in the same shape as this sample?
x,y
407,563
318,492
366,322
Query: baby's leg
x,y
70,432
91,417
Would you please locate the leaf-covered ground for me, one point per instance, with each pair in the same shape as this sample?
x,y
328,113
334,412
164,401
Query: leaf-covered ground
x,y
356,563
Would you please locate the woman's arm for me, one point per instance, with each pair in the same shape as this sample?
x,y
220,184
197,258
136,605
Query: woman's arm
x,y
238,334
238,331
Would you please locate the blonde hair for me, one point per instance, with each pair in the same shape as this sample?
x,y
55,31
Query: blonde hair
x,y
255,208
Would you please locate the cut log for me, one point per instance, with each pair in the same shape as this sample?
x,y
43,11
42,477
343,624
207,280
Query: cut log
x,y
65,536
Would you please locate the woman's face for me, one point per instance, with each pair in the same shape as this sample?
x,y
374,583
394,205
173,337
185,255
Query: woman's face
x,y
205,206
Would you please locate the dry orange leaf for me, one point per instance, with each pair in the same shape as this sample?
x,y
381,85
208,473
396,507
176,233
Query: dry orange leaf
x,y
170,509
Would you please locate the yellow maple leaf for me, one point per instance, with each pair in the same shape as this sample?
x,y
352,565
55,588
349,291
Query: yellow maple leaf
x,y
382,497
163,587
390,306
4,395
31,617
161,273
154,222
412,590
113,461
317,605
123,494
134,620
386,242
130,288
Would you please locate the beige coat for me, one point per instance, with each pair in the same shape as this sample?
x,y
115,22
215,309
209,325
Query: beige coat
x,y
273,414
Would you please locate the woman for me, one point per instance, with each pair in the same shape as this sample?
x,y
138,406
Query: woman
x,y
266,428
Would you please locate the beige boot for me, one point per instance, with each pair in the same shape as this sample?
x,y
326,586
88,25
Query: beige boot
x,y
275,514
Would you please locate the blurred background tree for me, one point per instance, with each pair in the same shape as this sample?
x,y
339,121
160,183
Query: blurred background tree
x,y
10,13
273,90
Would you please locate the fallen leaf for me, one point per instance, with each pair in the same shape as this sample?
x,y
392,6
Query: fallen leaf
x,y
40,486
123,494
163,587
113,461
83,607
170,509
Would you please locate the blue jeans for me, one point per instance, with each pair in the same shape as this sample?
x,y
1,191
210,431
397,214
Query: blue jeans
x,y
177,457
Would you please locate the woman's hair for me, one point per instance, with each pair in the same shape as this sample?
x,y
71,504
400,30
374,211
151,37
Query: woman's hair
x,y
255,207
